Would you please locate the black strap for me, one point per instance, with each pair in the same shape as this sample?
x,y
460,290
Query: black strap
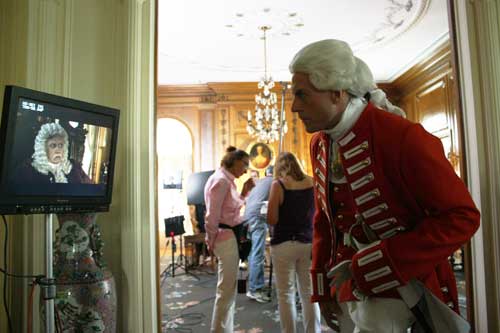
x,y
224,226
279,181
239,231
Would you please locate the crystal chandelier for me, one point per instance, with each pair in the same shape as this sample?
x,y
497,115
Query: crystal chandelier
x,y
266,126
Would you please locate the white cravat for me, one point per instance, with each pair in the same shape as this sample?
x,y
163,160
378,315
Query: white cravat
x,y
349,117
58,171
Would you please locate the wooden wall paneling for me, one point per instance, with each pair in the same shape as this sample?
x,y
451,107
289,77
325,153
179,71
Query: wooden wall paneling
x,y
408,106
435,110
457,156
222,128
303,146
221,110
207,154
427,93
432,106
392,92
217,143
437,65
238,115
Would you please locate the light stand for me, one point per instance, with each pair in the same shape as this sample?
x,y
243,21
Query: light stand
x,y
181,259
174,226
48,285
174,249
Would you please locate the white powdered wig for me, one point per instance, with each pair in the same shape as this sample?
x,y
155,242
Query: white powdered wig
x,y
331,65
40,161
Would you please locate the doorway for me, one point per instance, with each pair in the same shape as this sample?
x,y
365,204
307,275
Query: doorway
x,y
461,259
175,164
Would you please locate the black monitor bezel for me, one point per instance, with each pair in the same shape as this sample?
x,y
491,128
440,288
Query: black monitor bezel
x,y
22,204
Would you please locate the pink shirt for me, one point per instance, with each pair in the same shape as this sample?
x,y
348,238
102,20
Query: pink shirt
x,y
223,206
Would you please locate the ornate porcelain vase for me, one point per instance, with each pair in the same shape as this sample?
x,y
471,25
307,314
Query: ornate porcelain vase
x,y
86,296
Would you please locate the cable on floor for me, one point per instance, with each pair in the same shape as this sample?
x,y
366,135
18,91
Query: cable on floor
x,y
185,322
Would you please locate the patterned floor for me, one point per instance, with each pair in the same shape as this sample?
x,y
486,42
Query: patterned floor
x,y
187,304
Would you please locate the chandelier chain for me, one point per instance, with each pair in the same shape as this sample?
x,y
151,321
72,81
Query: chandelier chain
x,y
269,125
265,52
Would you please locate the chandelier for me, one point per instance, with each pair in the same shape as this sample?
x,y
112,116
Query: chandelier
x,y
265,124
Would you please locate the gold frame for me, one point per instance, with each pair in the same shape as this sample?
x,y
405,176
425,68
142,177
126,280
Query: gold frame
x,y
252,151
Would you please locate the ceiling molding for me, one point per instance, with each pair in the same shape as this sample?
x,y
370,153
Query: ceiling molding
x,y
209,49
431,66
425,54
185,90
399,17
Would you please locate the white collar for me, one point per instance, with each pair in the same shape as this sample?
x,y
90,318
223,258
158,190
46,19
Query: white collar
x,y
349,117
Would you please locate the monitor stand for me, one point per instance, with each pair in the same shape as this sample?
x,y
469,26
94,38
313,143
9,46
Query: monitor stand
x,y
47,284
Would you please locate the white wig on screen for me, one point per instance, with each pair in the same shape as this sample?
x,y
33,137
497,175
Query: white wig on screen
x,y
40,161
331,65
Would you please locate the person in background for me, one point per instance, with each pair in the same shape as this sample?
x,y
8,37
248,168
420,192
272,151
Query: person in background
x,y
223,204
250,183
390,208
254,174
290,212
257,228
50,162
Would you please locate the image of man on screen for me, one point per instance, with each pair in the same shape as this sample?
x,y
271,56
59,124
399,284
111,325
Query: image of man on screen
x,y
50,162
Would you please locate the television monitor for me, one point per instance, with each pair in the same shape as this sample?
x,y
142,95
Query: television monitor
x,y
195,187
57,154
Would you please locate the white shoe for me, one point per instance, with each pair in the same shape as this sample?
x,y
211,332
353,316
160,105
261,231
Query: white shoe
x,y
258,296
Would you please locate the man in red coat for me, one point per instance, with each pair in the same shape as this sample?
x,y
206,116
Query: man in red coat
x,y
390,208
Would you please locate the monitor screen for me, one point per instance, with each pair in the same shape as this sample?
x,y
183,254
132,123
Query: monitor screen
x,y
56,153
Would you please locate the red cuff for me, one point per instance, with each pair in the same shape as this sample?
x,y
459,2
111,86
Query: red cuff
x,y
320,286
374,271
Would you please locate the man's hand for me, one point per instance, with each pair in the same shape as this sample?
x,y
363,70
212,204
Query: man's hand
x,y
329,311
247,187
340,273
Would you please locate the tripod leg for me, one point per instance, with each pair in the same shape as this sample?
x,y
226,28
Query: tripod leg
x,y
173,256
183,258
270,279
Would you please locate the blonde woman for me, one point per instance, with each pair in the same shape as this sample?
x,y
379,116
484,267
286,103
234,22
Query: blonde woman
x,y
290,212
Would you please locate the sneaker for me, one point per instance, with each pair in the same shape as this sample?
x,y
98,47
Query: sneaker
x,y
263,298
258,296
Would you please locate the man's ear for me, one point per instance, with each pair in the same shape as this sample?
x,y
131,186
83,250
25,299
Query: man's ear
x,y
338,96
335,96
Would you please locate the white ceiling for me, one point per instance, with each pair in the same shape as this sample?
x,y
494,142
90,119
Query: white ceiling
x,y
196,46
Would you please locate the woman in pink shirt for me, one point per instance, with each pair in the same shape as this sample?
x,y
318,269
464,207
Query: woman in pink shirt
x,y
223,207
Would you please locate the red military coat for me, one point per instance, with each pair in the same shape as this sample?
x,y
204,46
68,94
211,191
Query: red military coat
x,y
401,186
